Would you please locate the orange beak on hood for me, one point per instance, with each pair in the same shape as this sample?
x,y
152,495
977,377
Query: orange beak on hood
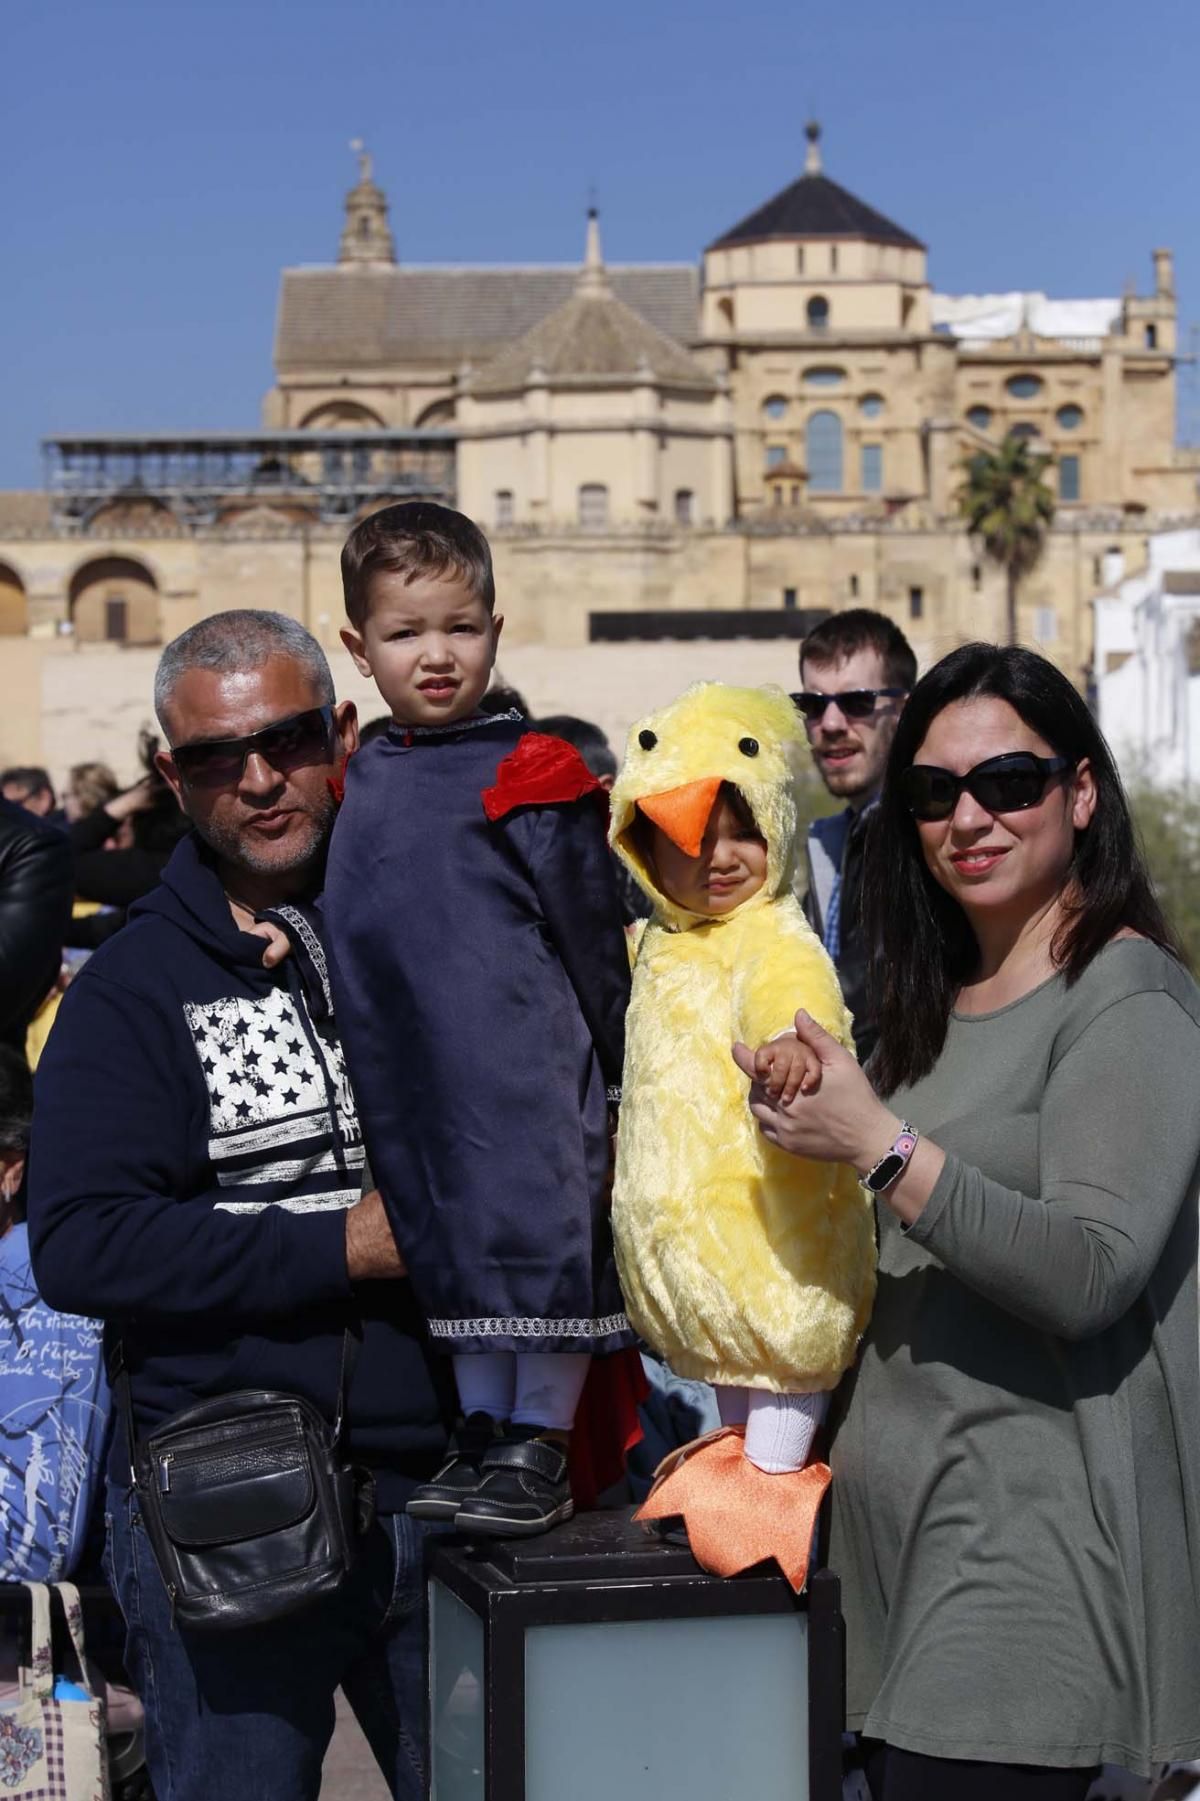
x,y
683,813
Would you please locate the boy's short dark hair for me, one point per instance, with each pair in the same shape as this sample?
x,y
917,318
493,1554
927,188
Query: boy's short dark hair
x,y
860,628
416,538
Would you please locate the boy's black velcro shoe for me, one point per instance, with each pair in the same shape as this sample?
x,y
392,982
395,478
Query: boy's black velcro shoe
x,y
460,1475
524,1490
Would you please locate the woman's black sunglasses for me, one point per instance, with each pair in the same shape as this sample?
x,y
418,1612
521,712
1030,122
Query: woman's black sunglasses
x,y
855,703
1005,784
288,744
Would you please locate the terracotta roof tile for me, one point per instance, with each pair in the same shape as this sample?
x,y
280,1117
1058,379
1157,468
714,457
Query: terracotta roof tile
x,y
592,335
23,510
347,317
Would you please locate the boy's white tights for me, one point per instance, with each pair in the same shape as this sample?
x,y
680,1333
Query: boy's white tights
x,y
530,1388
779,1428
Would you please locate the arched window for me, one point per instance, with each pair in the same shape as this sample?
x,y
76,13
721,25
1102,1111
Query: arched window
x,y
593,506
871,405
817,313
1024,430
1070,417
439,412
775,406
504,506
685,506
14,612
980,417
341,415
725,308
114,600
1152,337
823,445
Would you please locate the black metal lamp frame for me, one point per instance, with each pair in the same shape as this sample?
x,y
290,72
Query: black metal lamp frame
x,y
506,1608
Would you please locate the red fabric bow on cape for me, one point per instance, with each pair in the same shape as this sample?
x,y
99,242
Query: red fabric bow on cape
x,y
541,771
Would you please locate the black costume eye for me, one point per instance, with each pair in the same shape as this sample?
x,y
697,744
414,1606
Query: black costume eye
x,y
748,746
647,740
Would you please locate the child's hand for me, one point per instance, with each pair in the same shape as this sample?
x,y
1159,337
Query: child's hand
x,y
786,1068
275,939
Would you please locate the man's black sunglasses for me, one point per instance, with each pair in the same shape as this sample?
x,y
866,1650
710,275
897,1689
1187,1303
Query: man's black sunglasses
x,y
855,703
288,744
1006,784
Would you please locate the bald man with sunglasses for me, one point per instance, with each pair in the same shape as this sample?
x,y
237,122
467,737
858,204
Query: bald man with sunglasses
x,y
196,1173
856,671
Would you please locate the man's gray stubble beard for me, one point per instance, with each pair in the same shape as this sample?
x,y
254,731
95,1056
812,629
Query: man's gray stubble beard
x,y
235,849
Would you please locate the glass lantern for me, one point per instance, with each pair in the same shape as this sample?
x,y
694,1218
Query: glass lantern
x,y
597,1663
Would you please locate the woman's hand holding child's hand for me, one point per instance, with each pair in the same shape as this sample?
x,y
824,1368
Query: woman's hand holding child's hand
x,y
836,1117
786,1067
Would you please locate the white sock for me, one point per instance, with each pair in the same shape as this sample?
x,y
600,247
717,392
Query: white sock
x,y
549,1385
733,1404
486,1382
780,1429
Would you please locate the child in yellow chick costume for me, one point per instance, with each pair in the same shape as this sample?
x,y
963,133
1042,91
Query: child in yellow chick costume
x,y
742,1265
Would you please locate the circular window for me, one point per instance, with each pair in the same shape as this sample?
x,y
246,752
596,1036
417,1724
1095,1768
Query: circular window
x,y
1070,418
824,378
871,405
775,406
1024,387
980,417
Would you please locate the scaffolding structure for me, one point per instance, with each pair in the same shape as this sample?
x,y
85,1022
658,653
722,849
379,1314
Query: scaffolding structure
x,y
209,479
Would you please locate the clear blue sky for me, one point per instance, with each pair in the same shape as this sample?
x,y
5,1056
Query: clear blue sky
x,y
162,160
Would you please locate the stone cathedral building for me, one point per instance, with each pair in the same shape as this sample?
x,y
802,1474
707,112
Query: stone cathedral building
x,y
666,453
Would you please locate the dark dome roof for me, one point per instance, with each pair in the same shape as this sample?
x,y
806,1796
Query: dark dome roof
x,y
815,207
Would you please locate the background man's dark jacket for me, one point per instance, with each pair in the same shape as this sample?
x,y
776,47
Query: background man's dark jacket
x,y
195,1147
852,960
36,889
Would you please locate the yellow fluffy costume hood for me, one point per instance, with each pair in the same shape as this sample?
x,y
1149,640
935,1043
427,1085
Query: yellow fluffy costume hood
x,y
741,1264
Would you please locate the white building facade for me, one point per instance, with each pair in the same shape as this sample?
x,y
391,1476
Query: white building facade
x,y
1148,662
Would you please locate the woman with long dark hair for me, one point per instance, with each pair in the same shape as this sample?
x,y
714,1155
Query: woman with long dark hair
x,y
1016,1469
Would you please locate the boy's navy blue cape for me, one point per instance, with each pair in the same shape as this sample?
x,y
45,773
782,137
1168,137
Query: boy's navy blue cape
x,y
480,979
195,1148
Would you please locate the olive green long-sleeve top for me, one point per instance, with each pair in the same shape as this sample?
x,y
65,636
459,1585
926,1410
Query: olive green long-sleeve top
x,y
1016,1496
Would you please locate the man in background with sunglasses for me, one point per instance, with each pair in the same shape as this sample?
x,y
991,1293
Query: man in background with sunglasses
x,y
856,671
196,1173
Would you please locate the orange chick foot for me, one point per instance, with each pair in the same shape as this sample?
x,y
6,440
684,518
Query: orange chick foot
x,y
737,1515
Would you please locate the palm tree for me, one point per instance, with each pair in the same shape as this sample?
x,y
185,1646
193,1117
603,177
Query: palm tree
x,y
1008,506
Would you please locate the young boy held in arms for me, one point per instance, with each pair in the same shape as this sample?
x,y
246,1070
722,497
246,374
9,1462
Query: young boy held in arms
x,y
480,979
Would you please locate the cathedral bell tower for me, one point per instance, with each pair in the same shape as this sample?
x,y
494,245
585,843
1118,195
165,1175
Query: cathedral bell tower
x,y
366,235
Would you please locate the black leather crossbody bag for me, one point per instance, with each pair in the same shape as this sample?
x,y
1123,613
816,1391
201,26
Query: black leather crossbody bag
x,y
249,1506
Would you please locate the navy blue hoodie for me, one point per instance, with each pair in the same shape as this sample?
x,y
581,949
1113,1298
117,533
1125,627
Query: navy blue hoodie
x,y
195,1147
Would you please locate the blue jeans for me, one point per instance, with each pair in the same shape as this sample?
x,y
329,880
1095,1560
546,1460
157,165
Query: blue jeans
x,y
674,1412
232,1714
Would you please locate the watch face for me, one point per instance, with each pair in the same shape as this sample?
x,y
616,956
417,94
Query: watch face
x,y
886,1172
